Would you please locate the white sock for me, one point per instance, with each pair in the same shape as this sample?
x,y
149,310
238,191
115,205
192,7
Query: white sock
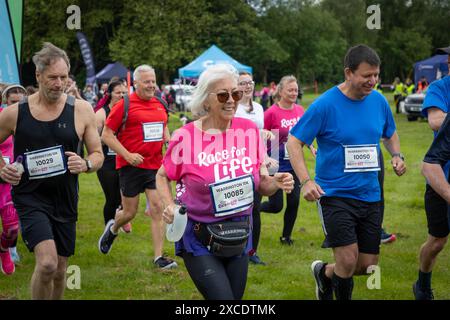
x,y
114,233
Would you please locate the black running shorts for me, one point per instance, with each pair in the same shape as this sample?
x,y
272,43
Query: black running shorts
x,y
134,181
346,221
37,225
438,213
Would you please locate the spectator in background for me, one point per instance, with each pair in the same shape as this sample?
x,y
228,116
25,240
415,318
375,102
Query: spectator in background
x,y
89,94
264,97
399,93
272,92
422,85
31,90
103,90
72,88
410,87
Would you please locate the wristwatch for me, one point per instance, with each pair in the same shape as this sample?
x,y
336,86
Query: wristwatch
x,y
302,183
400,155
88,165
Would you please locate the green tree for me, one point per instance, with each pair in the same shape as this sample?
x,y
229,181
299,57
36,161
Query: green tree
x,y
312,37
164,34
352,16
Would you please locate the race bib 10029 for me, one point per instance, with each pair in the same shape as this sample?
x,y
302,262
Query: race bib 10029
x,y
232,196
361,158
153,131
45,163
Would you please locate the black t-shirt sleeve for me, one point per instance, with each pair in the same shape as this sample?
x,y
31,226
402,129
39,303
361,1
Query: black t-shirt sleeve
x,y
439,152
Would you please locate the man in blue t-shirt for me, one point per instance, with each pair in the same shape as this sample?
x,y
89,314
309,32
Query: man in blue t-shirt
x,y
435,108
348,122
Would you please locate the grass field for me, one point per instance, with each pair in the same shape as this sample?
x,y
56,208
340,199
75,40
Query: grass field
x,y
128,273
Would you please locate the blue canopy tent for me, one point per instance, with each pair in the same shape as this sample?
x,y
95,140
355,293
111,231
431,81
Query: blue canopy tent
x,y
210,57
111,70
432,68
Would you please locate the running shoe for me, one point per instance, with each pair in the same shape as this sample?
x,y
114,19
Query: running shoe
x,y
287,241
6,265
324,291
165,263
255,259
106,240
387,237
421,294
14,255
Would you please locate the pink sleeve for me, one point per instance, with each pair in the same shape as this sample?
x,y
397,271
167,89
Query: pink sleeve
x,y
172,160
268,120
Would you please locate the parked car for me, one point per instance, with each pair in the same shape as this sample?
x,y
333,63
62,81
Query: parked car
x,y
413,106
183,95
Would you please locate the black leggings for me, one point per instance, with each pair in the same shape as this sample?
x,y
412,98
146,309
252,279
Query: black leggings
x,y
109,180
256,218
218,278
275,205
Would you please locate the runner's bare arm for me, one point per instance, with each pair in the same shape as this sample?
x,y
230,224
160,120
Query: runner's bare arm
x,y
100,117
110,139
435,118
393,146
166,134
311,190
436,179
165,194
268,185
90,135
8,120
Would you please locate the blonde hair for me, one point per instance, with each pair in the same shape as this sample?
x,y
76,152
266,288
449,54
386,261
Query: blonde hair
x,y
208,78
283,82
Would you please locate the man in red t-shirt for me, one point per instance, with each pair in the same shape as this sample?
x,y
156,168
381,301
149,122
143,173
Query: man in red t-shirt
x,y
138,145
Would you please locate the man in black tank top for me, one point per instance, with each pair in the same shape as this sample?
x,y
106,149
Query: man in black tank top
x,y
48,129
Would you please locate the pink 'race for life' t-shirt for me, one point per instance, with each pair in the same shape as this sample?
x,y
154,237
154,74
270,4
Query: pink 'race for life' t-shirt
x,y
216,173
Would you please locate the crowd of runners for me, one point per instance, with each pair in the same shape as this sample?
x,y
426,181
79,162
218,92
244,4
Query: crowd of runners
x,y
221,164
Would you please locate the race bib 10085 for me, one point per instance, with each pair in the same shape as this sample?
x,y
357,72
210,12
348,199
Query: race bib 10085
x,y
232,196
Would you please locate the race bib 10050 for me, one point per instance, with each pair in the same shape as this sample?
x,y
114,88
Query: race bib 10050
x,y
45,163
232,196
361,158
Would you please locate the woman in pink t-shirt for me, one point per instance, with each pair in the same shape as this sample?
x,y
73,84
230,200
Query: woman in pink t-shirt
x,y
8,214
279,119
217,164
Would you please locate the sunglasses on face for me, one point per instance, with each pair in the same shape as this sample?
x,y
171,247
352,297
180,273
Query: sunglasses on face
x,y
223,97
246,83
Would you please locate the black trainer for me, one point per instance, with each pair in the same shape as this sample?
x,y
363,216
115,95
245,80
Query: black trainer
x,y
287,241
420,294
165,263
106,240
324,291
